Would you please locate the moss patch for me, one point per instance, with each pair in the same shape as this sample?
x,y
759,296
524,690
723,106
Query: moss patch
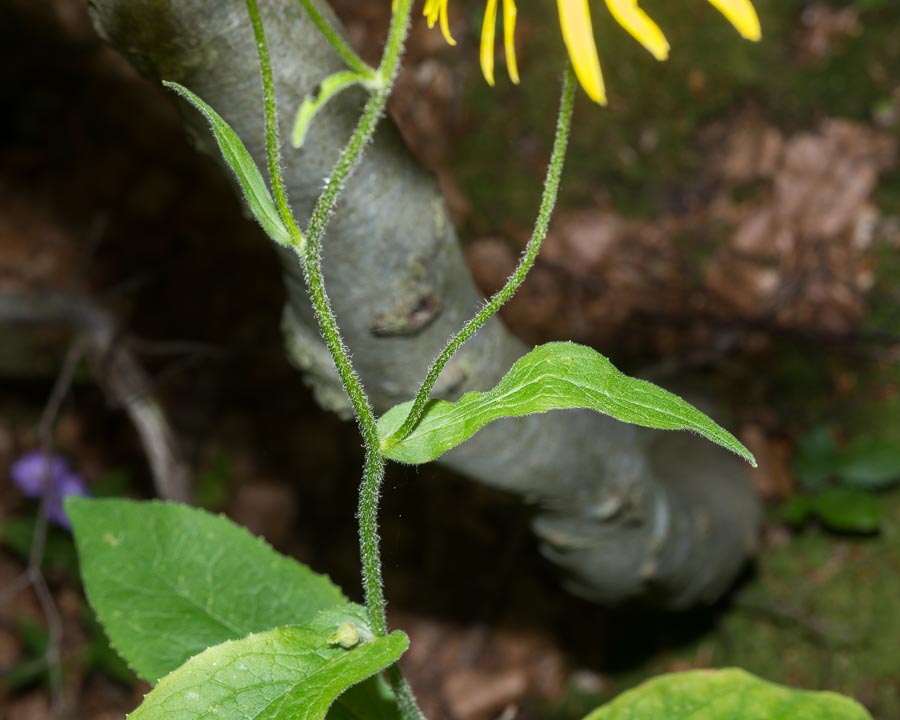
x,y
642,151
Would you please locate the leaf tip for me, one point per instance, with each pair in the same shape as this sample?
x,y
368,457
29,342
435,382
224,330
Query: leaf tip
x,y
74,505
747,455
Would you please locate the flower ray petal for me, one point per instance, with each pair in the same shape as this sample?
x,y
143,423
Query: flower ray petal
x,y
640,26
578,34
742,15
509,39
488,38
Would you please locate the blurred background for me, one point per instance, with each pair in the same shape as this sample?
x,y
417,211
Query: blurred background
x,y
733,217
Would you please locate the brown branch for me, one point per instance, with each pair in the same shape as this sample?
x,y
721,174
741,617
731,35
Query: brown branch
x,y
115,369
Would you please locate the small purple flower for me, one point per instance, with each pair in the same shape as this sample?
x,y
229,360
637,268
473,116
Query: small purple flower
x,y
33,469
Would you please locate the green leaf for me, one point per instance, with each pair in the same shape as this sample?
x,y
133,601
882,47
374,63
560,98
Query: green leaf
x,y
843,510
725,695
318,99
796,510
870,464
17,534
848,510
241,162
815,458
290,673
555,376
168,581
32,667
370,700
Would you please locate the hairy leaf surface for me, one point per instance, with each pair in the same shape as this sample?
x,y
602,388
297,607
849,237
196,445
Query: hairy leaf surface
x,y
168,581
555,376
290,673
725,695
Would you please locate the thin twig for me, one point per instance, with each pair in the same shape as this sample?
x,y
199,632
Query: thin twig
x,y
116,369
45,432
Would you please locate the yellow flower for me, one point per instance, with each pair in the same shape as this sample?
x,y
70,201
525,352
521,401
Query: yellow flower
x,y
578,34
436,10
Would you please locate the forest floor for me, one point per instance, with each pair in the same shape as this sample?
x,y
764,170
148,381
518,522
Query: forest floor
x,y
732,217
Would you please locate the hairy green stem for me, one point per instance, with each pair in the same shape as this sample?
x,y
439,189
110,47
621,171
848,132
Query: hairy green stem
x,y
348,55
374,467
308,248
373,475
406,700
548,202
273,152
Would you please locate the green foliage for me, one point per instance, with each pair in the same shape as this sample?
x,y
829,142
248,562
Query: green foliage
x,y
839,509
168,581
870,463
725,695
370,700
555,376
236,630
842,481
257,195
17,535
290,672
32,668
815,458
213,482
866,463
99,655
318,99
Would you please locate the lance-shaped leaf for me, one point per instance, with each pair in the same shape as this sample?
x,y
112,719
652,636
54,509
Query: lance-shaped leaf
x,y
241,162
168,581
725,695
291,673
555,376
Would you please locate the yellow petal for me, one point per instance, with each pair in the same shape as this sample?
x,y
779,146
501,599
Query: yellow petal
x,y
742,15
436,11
578,34
509,39
640,26
445,24
488,35
430,11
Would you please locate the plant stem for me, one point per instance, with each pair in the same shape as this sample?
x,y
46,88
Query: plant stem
x,y
348,55
312,265
373,475
548,202
374,465
273,152
309,251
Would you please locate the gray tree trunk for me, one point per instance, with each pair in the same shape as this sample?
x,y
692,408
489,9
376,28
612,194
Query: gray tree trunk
x,y
627,513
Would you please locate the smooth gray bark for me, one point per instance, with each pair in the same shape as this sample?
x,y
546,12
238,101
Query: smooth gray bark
x,y
627,513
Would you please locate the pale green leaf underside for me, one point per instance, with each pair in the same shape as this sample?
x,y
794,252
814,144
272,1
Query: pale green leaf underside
x,y
370,700
725,695
241,162
168,581
290,673
318,99
555,376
